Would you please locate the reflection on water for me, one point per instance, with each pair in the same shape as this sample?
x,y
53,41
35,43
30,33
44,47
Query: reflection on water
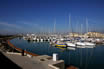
x,y
84,58
62,48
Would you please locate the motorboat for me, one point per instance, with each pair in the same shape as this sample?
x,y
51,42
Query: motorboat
x,y
71,48
70,44
89,44
80,43
59,43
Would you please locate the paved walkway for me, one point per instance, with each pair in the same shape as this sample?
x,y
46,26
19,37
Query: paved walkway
x,y
7,63
25,62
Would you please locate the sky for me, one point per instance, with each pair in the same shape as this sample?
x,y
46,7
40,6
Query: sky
x,y
34,16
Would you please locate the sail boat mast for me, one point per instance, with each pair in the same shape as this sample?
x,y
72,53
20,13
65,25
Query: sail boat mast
x,y
87,25
55,26
70,24
81,29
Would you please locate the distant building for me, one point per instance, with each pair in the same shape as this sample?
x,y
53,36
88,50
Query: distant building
x,y
74,35
89,34
94,34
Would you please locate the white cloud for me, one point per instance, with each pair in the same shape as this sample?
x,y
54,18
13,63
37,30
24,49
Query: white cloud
x,y
28,23
10,25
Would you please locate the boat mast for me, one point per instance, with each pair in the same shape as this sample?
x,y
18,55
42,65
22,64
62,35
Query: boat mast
x,y
81,29
55,26
87,25
70,25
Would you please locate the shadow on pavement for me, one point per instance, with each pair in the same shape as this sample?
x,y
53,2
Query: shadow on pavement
x,y
6,63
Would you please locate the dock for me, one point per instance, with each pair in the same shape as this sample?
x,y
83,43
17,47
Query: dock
x,y
26,60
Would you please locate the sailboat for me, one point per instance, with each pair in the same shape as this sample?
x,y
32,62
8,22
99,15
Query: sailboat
x,y
88,43
70,44
55,41
80,43
71,48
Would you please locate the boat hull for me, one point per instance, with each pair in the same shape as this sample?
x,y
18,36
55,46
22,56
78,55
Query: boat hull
x,y
71,44
61,45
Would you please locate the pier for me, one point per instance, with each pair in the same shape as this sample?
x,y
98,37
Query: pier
x,y
27,60
43,59
46,61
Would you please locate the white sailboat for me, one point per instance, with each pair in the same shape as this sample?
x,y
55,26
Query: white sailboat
x,y
81,47
80,43
71,48
88,43
70,44
41,40
89,46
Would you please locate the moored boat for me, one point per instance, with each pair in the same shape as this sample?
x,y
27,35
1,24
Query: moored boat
x,y
80,43
70,44
61,44
89,44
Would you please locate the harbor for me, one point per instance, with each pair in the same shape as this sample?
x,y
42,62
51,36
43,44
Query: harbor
x,y
81,56
26,60
52,34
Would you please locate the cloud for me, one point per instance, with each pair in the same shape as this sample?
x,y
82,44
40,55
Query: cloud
x,y
29,23
10,25
21,27
14,26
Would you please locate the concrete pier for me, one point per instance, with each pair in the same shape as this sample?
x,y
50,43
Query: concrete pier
x,y
48,62
36,62
27,60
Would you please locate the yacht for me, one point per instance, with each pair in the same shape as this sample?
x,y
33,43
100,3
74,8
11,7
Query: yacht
x,y
89,44
80,43
71,48
70,44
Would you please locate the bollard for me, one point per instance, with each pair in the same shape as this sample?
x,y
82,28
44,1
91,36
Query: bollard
x,y
25,53
55,57
22,53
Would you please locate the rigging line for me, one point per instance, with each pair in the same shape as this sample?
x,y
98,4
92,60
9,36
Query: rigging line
x,y
70,23
54,26
87,28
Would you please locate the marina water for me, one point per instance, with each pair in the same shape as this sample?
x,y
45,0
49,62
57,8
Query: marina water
x,y
84,58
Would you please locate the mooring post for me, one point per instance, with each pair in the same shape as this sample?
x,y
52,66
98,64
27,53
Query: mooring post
x,y
22,52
